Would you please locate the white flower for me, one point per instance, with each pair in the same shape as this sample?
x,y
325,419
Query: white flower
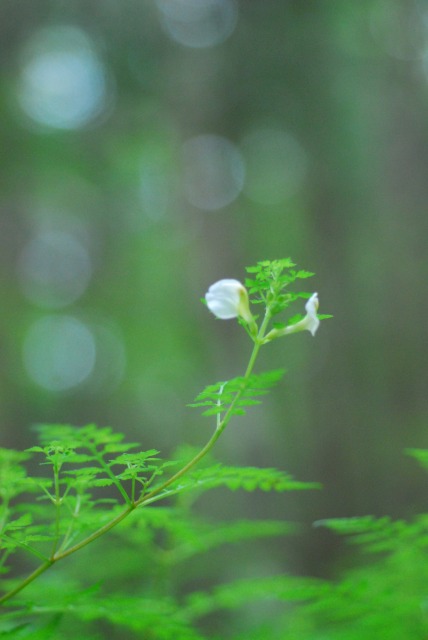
x,y
228,299
309,323
311,320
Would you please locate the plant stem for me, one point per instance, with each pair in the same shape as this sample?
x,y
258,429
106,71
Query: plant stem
x,y
99,532
258,341
59,556
41,569
109,472
57,504
69,531
220,426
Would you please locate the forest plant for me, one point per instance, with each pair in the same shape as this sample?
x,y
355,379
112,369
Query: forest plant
x,y
93,481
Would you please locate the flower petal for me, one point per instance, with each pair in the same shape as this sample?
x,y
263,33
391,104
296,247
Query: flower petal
x,y
311,320
223,298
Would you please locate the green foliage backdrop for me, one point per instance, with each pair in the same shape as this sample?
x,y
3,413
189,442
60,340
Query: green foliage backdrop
x,y
146,154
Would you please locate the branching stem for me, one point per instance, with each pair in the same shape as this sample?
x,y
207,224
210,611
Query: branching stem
x,y
149,497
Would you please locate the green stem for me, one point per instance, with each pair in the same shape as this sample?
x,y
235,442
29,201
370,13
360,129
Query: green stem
x,y
57,504
202,453
149,497
59,556
41,569
69,531
220,426
111,475
99,532
133,490
258,343
26,547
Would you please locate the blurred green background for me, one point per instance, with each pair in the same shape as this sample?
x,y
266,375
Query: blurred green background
x,y
149,148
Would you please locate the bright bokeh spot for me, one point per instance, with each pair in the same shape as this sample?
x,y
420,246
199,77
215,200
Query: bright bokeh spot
x,y
214,172
63,81
198,23
400,29
276,165
59,352
54,269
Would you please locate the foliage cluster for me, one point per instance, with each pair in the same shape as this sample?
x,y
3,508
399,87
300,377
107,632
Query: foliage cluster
x,y
91,482
143,579
150,578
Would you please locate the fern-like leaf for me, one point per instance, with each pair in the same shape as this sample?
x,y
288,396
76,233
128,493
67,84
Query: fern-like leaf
x,y
233,395
234,478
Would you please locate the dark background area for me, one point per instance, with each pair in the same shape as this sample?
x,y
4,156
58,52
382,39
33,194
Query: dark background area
x,y
151,148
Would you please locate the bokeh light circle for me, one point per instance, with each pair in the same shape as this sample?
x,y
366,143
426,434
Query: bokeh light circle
x,y
198,23
400,29
62,83
59,352
54,269
214,171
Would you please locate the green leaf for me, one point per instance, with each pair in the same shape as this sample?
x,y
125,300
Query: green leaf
x,y
246,478
193,537
103,482
302,274
240,592
381,534
237,393
421,455
138,459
